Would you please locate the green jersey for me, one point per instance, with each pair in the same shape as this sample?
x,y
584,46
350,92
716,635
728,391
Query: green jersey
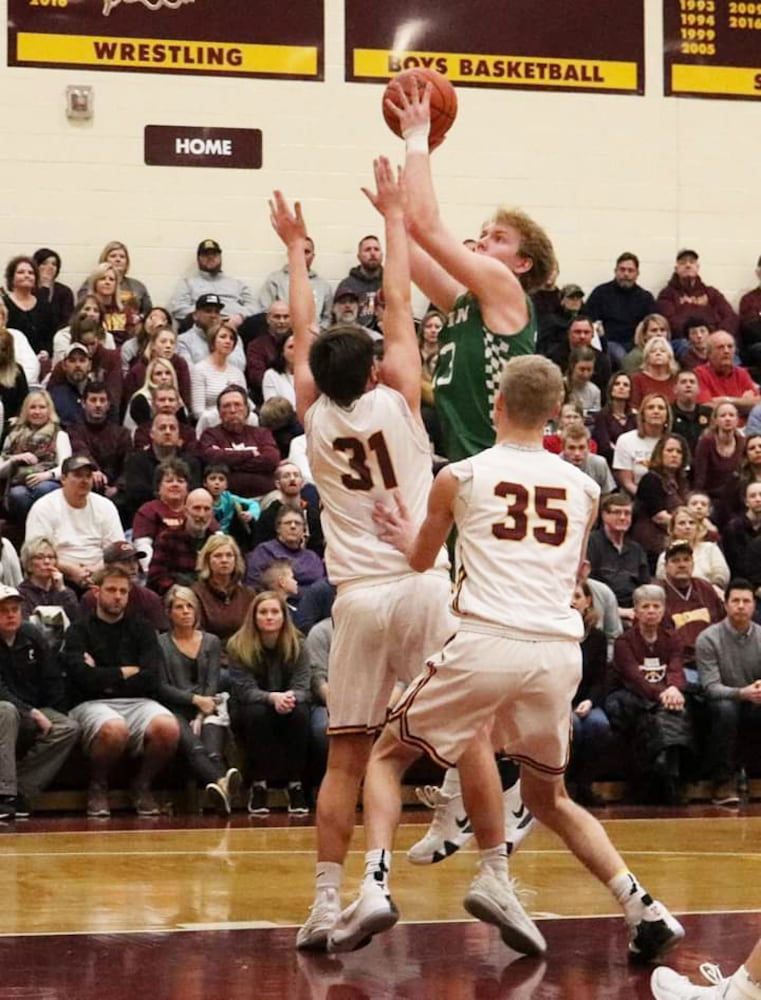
x,y
466,382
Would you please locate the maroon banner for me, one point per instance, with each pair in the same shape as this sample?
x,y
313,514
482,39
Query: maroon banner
x,y
581,45
712,48
192,146
260,38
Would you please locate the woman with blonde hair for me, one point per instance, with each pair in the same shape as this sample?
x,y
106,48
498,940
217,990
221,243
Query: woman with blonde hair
x,y
103,283
223,598
719,452
658,373
116,254
631,455
708,558
87,309
160,373
32,454
189,686
157,318
161,344
22,349
653,325
270,676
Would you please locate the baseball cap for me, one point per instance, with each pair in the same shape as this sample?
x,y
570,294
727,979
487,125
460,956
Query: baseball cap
x,y
345,290
73,348
679,548
208,246
74,462
571,292
687,253
208,300
117,551
8,593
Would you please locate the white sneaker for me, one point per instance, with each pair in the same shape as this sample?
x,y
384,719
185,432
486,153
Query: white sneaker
x,y
654,934
519,822
450,828
494,901
669,985
326,909
371,913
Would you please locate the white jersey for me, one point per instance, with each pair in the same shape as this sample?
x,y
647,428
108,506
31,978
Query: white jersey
x,y
358,455
521,516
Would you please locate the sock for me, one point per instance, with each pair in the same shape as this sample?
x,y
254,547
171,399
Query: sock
x,y
743,987
494,860
328,875
451,783
509,772
377,867
630,894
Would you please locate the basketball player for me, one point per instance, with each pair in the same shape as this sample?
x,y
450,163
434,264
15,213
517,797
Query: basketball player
x,y
490,319
745,984
523,518
365,438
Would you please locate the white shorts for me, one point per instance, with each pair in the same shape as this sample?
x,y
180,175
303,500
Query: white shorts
x,y
383,634
483,679
138,713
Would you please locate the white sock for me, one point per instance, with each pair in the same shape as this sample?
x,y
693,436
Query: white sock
x,y
451,783
494,859
743,987
377,867
629,894
328,875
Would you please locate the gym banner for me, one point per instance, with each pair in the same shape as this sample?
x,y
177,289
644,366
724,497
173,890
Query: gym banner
x,y
712,48
581,45
259,38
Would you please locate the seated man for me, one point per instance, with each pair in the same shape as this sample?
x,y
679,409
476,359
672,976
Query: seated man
x,y
346,304
237,298
32,711
250,453
581,333
112,660
106,443
553,324
143,603
68,396
366,279
688,417
620,305
262,350
721,380
165,400
575,440
195,344
308,567
78,522
290,491
614,557
277,285
728,656
687,295
175,553
692,603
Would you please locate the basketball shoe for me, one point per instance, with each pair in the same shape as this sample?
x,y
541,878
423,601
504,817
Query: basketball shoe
x,y
653,933
371,913
666,984
493,899
326,909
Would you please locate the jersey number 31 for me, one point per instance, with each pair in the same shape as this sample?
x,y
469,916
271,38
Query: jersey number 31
x,y
362,478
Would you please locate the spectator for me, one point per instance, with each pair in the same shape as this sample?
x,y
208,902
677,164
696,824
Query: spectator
x,y
79,523
57,296
160,374
288,544
278,380
750,323
166,400
620,305
189,686
729,664
605,604
307,606
107,444
175,554
686,295
28,313
249,452
741,539
650,707
658,374
226,504
262,350
139,484
719,451
614,558
576,452
553,326
116,254
631,456
171,482
696,334
571,415
651,326
68,392
22,349
193,345
43,584
104,284
699,506
345,304
721,380
367,278
431,326
688,417
32,711
223,599
156,319
161,345
271,679
13,383
113,664
661,490
708,560
210,376
731,502
33,454
581,333
278,415
89,311
291,491
142,603
692,604
579,387
236,296
317,649
276,288
616,416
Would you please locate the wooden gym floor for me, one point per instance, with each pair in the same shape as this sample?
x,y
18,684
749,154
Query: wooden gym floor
x,y
196,909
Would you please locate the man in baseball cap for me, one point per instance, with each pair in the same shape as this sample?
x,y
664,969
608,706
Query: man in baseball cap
x,y
142,602
235,295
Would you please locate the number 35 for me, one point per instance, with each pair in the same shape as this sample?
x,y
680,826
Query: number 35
x,y
519,508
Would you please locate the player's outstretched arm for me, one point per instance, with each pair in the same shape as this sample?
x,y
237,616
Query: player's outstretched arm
x,y
401,357
290,226
498,290
421,547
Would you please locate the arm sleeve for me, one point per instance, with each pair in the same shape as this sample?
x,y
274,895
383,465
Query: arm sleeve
x,y
301,677
245,687
626,664
708,658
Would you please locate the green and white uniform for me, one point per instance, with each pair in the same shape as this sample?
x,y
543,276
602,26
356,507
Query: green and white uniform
x,y
466,382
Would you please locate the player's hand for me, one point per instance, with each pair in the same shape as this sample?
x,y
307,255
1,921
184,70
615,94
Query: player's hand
x,y
413,110
394,526
288,223
388,196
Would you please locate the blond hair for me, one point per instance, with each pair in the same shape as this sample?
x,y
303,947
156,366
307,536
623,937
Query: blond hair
x,y
246,645
535,245
210,546
532,390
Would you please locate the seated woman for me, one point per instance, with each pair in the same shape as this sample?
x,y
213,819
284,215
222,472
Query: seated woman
x,y
43,581
116,254
631,455
105,366
658,372
288,544
571,414
730,503
661,490
616,417
719,452
429,330
649,707
32,454
742,540
159,374
88,308
162,344
13,383
55,294
591,729
22,349
209,377
28,312
278,380
104,284
653,325
579,387
132,350
189,687
709,560
270,676
223,599
171,485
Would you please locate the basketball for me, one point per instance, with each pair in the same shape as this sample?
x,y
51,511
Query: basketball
x,y
443,101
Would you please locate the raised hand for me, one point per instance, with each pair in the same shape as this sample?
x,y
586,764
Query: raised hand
x,y
288,223
413,110
388,196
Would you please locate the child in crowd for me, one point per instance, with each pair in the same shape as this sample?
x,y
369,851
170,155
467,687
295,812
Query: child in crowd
x,y
227,504
571,415
579,386
279,577
699,505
